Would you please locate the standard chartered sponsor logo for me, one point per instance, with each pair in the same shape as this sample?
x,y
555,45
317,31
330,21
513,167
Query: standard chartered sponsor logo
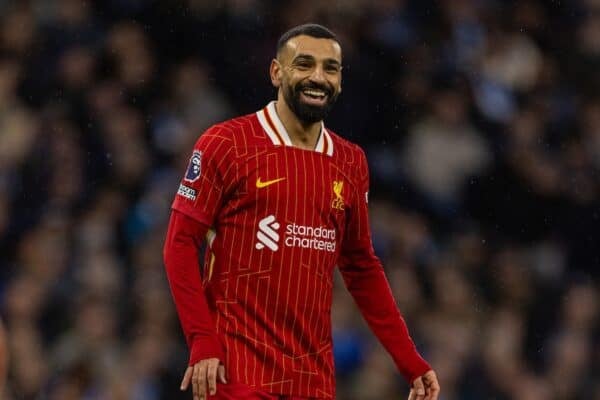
x,y
267,233
304,236
310,237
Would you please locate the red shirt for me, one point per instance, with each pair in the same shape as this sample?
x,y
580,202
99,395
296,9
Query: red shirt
x,y
281,218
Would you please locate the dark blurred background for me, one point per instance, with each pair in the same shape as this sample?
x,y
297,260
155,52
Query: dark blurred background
x,y
481,120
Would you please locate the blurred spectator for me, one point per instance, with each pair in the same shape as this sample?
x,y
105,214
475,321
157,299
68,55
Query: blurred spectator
x,y
3,358
458,149
482,124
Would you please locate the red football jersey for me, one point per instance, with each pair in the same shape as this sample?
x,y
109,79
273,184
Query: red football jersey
x,y
281,219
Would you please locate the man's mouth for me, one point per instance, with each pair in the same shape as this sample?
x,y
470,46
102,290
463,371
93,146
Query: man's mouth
x,y
314,96
314,93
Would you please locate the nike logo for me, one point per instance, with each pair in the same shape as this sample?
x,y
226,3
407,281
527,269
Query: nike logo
x,y
260,184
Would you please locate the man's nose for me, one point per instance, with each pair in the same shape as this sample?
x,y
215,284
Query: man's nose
x,y
318,75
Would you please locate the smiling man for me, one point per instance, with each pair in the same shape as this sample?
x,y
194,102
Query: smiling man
x,y
282,201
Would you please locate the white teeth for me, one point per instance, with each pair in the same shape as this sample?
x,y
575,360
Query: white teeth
x,y
314,93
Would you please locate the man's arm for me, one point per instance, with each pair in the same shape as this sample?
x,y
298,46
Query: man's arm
x,y
366,281
198,200
181,253
183,272
371,291
368,285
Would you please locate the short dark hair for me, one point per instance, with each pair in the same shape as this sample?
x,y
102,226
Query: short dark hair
x,y
312,30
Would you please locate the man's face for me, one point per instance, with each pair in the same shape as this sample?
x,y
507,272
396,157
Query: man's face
x,y
309,74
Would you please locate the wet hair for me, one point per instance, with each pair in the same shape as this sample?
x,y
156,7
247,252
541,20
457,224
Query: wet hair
x,y
312,30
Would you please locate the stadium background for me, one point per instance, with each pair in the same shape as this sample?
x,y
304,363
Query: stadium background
x,y
481,119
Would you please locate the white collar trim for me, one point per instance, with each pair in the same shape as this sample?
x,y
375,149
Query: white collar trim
x,y
273,127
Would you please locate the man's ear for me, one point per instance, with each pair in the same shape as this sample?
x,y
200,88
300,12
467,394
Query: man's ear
x,y
276,70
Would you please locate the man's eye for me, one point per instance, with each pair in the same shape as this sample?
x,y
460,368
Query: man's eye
x,y
303,66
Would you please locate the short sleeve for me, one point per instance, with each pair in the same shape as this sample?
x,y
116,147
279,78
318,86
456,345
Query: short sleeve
x,y
206,179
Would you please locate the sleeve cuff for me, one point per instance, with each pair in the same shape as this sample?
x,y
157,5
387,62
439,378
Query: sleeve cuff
x,y
413,367
206,347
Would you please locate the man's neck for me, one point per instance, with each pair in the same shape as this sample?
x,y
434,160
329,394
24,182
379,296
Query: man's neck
x,y
304,136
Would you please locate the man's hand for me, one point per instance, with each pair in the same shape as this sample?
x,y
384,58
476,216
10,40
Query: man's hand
x,y
203,376
425,387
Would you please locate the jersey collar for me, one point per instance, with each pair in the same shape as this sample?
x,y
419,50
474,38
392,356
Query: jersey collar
x,y
273,127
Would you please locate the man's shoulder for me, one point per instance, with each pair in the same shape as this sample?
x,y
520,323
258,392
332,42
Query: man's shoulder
x,y
240,131
346,150
234,127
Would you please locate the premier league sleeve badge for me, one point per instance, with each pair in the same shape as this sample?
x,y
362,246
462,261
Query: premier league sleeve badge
x,y
194,167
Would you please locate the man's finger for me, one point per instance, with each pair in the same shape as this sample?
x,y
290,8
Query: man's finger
x,y
186,378
195,379
419,389
201,381
221,374
411,395
432,392
211,377
433,387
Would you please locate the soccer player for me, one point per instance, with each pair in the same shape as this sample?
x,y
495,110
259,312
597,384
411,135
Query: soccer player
x,y
281,200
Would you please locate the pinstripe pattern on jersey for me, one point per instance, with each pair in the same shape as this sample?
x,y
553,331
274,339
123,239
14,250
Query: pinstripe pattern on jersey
x,y
272,308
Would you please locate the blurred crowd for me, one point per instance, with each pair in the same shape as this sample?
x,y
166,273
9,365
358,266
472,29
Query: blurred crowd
x,y
481,120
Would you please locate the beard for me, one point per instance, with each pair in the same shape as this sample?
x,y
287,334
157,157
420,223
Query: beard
x,y
309,113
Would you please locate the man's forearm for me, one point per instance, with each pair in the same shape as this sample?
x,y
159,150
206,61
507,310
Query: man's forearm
x,y
371,291
183,272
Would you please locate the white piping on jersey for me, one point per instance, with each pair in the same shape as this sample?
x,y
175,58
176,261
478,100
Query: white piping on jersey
x,y
210,237
278,124
265,125
277,132
329,142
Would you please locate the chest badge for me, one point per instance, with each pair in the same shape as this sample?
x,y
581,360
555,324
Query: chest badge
x,y
338,200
